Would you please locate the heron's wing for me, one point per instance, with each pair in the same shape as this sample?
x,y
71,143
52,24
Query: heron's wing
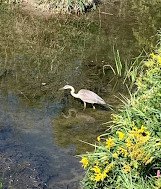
x,y
90,97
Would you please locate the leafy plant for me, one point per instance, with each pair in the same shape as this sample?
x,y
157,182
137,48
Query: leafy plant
x,y
129,156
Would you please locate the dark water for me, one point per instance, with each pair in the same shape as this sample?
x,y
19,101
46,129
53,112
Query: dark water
x,y
41,128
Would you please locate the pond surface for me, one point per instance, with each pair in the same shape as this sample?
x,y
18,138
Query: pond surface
x,y
42,128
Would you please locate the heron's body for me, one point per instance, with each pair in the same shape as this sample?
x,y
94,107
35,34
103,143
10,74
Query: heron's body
x,y
90,97
86,96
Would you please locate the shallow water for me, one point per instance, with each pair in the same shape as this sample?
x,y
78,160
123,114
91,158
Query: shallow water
x,y
42,128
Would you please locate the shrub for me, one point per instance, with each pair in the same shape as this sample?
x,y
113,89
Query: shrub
x,y
129,156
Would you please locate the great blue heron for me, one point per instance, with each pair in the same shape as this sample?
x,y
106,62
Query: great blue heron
x,y
86,96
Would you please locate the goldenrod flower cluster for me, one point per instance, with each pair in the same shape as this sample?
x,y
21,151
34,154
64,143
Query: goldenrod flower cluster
x,y
100,175
120,134
110,143
134,144
128,150
130,147
84,161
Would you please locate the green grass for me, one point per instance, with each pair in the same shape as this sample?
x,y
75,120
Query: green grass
x,y
129,155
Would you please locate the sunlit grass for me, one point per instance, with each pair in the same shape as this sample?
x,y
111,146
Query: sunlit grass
x,y
129,154
60,6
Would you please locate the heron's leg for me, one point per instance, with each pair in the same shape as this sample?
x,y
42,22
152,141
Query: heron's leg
x,y
84,106
93,107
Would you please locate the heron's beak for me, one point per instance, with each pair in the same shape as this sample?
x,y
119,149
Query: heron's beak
x,y
61,88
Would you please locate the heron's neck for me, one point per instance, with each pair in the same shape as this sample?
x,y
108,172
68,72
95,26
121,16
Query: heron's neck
x,y
73,93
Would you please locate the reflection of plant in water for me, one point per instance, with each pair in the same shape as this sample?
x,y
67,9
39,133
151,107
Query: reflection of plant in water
x,y
37,51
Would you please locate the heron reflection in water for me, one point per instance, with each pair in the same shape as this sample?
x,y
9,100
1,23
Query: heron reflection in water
x,y
86,96
78,115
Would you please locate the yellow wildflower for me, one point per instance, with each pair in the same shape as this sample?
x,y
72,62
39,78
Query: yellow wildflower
x,y
98,138
126,167
104,175
158,144
121,135
137,152
109,143
96,169
115,155
148,72
153,56
123,151
101,176
128,142
141,135
159,60
149,64
155,70
84,161
97,162
146,158
97,178
108,168
149,161
134,129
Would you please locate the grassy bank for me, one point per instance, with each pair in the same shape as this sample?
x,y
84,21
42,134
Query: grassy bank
x,y
129,155
60,6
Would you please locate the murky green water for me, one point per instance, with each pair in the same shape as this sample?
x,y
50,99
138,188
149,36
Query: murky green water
x,y
39,138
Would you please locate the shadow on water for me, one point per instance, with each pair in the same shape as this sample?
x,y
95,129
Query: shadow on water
x,y
41,127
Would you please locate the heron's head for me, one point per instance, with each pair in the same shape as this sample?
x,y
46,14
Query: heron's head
x,y
65,87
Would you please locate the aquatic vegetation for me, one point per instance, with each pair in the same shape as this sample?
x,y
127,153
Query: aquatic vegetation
x,y
130,153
